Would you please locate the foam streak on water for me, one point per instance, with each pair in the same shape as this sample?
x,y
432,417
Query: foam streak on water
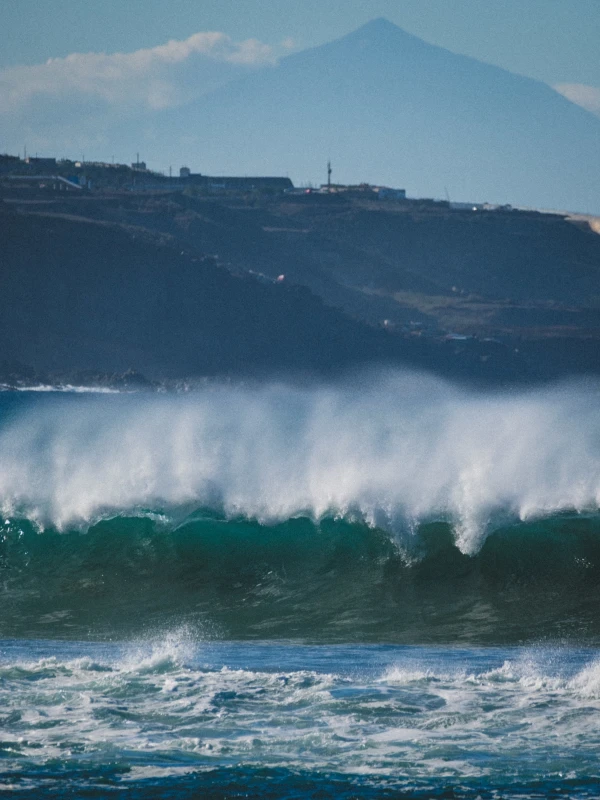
x,y
390,449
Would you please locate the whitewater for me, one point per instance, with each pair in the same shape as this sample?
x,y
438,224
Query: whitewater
x,y
382,586
391,450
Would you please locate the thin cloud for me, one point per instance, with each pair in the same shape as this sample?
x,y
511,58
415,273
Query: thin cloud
x,y
587,97
154,78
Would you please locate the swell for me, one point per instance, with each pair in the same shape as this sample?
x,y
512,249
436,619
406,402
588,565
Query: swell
x,y
332,581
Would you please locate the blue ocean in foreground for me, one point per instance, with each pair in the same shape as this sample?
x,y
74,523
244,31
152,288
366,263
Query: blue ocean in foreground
x,y
181,718
386,587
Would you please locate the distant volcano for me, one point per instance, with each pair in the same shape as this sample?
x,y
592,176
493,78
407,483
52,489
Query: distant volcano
x,y
390,108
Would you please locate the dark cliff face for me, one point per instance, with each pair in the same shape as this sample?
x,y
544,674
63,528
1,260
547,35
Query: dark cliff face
x,y
81,295
108,284
483,272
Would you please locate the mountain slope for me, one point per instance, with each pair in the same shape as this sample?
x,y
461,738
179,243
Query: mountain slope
x,y
108,283
81,295
388,107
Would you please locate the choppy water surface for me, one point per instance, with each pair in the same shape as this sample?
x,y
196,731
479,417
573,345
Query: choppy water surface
x,y
275,719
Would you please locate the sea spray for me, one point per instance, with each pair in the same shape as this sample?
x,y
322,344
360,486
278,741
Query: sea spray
x,y
390,449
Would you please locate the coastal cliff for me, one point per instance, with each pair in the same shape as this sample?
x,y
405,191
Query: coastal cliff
x,y
176,286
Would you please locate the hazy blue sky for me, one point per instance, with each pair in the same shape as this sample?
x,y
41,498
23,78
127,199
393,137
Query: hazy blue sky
x,y
552,40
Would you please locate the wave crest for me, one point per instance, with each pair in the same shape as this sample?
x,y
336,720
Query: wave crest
x,y
392,450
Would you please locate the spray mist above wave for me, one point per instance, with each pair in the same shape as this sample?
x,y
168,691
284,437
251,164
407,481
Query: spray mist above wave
x,y
392,449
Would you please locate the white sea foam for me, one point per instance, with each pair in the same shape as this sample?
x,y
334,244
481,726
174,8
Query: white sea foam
x,y
160,653
533,713
391,449
66,388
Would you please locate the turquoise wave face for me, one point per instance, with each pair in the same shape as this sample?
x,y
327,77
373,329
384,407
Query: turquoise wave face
x,y
329,582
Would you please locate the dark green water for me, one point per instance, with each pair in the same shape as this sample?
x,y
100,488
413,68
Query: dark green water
x,y
331,582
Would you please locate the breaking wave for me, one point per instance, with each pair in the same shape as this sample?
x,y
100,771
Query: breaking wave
x,y
390,450
392,507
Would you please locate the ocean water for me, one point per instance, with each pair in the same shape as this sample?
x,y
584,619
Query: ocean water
x,y
179,717
386,587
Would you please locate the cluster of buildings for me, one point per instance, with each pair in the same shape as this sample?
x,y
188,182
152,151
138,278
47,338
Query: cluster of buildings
x,y
67,175
53,174
361,190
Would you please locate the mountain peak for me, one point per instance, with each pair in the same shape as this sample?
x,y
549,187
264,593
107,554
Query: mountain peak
x,y
401,111
379,24
381,29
